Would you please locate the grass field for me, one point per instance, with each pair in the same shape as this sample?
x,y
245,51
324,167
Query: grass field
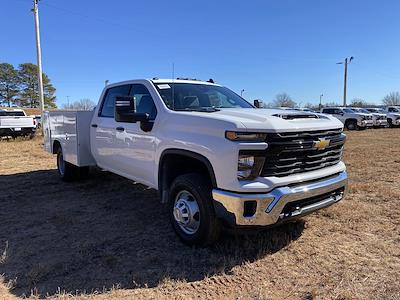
x,y
108,238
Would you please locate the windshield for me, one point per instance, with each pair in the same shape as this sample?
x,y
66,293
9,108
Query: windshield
x,y
199,97
348,110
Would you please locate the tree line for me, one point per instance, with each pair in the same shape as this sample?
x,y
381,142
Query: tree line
x,y
19,86
285,100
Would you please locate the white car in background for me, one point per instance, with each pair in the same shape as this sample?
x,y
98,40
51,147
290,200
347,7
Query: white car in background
x,y
351,119
378,117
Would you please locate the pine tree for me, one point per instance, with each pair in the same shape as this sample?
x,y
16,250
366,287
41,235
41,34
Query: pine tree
x,y
29,92
9,84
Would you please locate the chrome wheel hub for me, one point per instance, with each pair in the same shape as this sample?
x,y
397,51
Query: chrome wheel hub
x,y
186,212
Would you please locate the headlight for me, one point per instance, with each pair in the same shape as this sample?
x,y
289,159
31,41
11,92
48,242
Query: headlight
x,y
249,166
245,136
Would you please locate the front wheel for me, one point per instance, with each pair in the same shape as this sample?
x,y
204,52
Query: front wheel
x,y
191,210
351,125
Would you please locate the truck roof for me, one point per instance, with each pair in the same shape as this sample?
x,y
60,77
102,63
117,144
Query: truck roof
x,y
165,80
11,109
181,80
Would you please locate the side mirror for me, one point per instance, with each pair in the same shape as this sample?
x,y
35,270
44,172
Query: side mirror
x,y
258,103
125,110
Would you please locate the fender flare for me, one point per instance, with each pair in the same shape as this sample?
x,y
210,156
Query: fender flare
x,y
190,154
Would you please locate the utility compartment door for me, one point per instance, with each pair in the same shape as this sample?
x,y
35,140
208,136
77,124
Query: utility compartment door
x,y
47,132
85,157
69,138
71,130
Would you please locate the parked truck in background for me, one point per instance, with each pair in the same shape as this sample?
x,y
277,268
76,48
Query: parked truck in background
x,y
214,158
378,117
15,122
351,119
393,115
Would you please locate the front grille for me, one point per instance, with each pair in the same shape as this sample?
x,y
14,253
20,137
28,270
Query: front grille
x,y
291,153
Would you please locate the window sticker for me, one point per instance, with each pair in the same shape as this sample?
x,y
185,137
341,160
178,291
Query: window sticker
x,y
163,86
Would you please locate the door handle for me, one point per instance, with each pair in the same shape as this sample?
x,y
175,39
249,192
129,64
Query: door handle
x,y
120,128
94,125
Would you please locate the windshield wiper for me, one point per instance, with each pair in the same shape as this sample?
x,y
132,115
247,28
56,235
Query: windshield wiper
x,y
199,109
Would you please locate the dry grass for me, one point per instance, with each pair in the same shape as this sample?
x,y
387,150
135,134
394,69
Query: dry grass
x,y
107,238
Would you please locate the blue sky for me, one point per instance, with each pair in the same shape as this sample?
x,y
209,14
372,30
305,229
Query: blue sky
x,y
265,47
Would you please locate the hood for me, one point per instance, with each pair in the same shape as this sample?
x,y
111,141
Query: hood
x,y
361,114
273,120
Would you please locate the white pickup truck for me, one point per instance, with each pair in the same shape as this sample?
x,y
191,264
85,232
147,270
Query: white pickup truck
x,y
214,158
351,119
378,117
14,122
393,115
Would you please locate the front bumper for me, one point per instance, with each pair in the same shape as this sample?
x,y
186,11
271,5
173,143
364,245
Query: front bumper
x,y
380,123
281,203
365,123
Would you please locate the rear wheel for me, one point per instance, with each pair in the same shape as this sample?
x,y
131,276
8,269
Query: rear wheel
x,y
390,123
67,171
191,211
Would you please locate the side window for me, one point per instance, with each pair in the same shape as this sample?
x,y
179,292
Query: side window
x,y
108,104
327,110
144,101
337,111
391,109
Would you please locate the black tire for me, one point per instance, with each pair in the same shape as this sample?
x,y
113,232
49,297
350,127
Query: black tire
x,y
390,123
200,188
351,125
67,171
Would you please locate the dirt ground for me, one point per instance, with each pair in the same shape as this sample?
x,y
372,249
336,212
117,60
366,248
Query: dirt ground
x,y
108,238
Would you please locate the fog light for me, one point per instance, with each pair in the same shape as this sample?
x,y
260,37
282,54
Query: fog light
x,y
249,166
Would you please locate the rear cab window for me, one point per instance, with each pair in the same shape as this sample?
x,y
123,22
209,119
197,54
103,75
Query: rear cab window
x,y
12,114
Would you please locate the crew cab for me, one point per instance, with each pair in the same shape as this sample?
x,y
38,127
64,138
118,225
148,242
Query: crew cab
x,y
393,115
378,117
15,122
351,119
214,158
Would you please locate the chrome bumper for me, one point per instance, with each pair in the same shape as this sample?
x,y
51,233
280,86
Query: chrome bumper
x,y
268,208
365,123
381,123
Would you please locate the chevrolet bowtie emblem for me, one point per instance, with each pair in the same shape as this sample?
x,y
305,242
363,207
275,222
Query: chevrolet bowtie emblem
x,y
321,144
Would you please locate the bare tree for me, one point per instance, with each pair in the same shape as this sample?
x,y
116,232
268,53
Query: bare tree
x,y
392,98
312,106
358,102
83,104
283,100
330,104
